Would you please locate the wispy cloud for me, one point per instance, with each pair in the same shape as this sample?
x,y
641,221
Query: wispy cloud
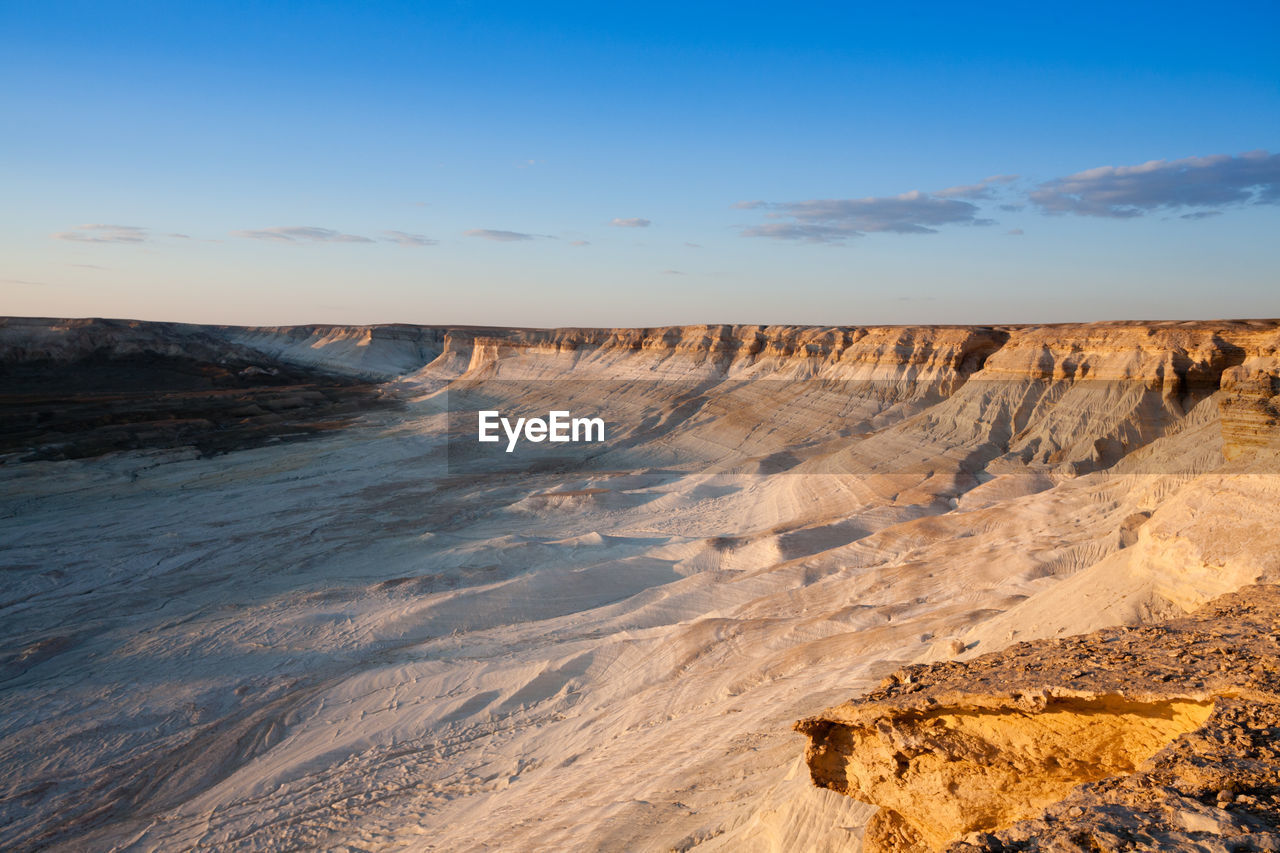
x,y
402,238
500,236
836,220
672,272
1200,186
632,222
301,234
104,234
984,189
1125,192
579,243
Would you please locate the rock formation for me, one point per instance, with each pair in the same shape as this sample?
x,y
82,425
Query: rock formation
x,y
216,634
1161,737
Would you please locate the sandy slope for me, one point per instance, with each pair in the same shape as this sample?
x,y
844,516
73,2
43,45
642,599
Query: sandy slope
x,y
379,640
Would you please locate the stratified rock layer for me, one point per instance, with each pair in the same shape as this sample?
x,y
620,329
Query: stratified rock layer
x,y
1145,738
394,637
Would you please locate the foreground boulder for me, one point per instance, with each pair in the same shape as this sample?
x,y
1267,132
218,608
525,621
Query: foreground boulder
x,y
1148,738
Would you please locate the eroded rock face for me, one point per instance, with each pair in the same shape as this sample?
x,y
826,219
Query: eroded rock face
x,y
937,771
1130,738
1250,407
348,643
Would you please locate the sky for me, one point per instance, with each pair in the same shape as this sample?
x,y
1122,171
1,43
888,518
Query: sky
x,y
591,164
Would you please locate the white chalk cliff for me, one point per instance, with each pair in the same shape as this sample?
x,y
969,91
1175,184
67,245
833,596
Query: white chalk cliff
x,y
381,638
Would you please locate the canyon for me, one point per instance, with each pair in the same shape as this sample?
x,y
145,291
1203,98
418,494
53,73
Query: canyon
x,y
265,589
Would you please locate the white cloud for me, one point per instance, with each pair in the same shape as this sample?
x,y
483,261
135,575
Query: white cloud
x,y
835,220
301,234
104,234
1124,192
984,189
1200,186
402,238
499,236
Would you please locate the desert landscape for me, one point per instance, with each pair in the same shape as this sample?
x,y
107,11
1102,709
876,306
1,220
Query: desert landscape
x,y
568,427
1004,587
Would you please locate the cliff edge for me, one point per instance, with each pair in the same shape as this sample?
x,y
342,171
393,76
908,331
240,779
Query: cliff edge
x,y
1140,738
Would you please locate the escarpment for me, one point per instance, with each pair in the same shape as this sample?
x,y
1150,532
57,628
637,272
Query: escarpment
x,y
1080,397
448,643
1178,357
1156,737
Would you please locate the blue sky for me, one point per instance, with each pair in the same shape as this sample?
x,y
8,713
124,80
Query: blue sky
x,y
625,165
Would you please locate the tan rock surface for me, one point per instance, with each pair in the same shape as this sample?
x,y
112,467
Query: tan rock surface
x,y
1144,738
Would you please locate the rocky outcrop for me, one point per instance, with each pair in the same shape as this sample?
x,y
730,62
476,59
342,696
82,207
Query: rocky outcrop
x,y
1081,397
1179,358
1142,738
1250,406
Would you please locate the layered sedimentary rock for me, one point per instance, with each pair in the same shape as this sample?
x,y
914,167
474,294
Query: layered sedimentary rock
x,y
1145,738
1083,395
1180,359
1250,406
390,637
